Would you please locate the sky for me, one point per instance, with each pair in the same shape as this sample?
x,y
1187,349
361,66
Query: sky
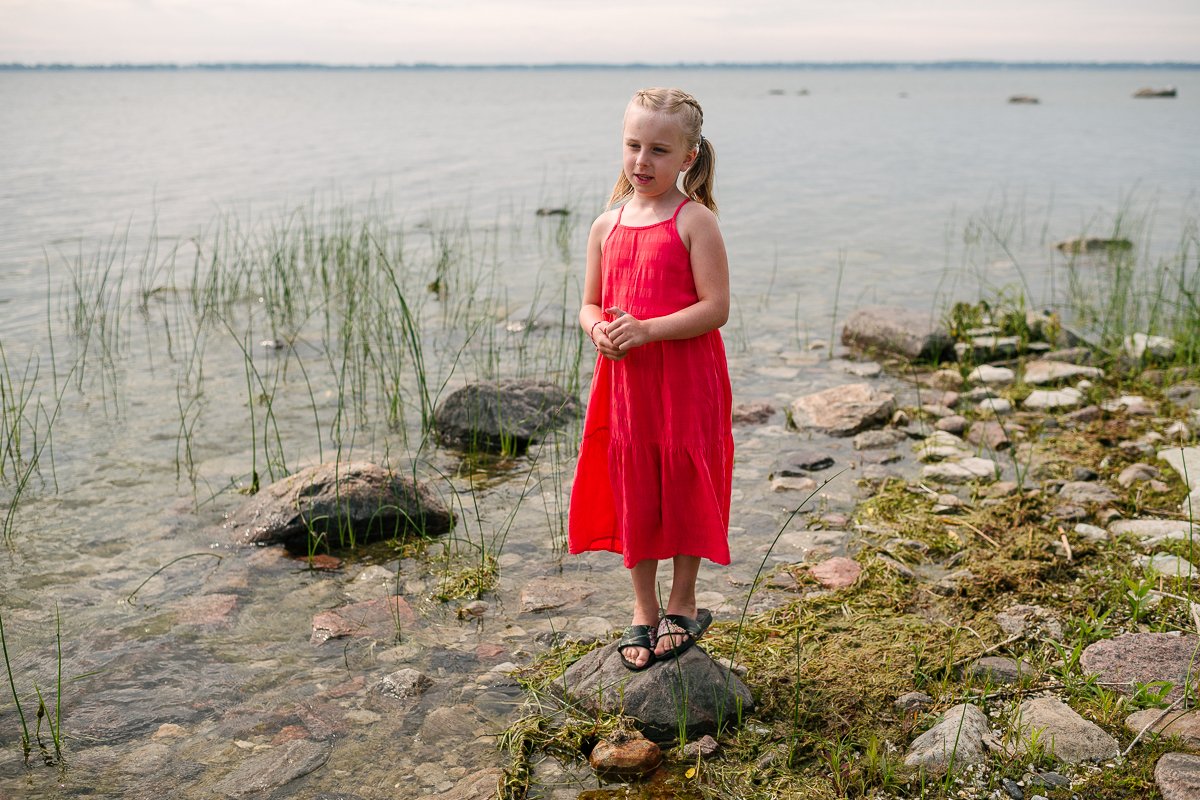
x,y
613,31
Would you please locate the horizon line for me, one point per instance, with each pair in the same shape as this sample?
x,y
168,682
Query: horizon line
x,y
431,65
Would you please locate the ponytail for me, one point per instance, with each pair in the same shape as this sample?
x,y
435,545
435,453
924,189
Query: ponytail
x,y
701,175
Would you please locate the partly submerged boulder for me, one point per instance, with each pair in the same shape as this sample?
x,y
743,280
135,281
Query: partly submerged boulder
x,y
900,331
345,503
843,410
691,691
503,416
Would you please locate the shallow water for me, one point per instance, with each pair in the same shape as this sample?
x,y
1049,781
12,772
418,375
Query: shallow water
x,y
220,646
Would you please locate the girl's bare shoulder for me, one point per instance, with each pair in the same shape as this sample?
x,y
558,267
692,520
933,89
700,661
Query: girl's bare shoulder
x,y
604,224
696,219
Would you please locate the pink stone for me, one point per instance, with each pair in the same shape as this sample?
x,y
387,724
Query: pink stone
x,y
209,609
376,618
837,572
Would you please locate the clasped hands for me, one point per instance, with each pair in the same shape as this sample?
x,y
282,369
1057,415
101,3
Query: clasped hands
x,y
616,338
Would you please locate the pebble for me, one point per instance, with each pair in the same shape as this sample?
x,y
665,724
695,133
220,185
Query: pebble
x,y
958,735
912,701
988,374
1049,400
997,406
703,747
625,755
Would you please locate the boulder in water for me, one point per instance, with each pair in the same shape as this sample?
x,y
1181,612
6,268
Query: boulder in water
x,y
503,416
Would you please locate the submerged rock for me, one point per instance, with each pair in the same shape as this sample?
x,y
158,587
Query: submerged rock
x,y
338,502
692,690
900,331
477,785
268,770
503,416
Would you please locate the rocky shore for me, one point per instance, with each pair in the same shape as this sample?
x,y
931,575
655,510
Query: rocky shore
x,y
1006,612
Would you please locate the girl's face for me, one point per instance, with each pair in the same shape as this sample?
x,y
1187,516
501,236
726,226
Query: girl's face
x,y
654,152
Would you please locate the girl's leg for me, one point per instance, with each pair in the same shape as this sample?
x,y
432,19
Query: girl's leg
x,y
682,599
645,605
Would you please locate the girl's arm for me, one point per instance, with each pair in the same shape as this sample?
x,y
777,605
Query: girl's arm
x,y
710,269
591,315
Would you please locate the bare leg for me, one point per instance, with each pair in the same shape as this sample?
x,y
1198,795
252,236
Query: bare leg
x,y
645,605
682,599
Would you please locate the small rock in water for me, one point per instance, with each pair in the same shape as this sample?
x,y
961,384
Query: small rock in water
x,y
797,462
783,484
405,684
545,593
873,440
843,410
625,755
704,747
949,380
988,374
752,413
997,406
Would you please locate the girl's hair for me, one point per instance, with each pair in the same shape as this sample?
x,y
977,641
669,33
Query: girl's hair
x,y
698,180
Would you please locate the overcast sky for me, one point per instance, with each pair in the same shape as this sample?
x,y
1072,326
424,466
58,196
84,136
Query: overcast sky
x,y
541,31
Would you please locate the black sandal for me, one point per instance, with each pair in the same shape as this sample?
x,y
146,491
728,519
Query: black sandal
x,y
679,625
637,636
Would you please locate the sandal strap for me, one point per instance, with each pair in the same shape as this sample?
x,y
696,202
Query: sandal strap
x,y
637,636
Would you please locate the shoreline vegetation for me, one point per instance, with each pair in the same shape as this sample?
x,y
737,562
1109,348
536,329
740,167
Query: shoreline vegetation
x,y
334,334
219,66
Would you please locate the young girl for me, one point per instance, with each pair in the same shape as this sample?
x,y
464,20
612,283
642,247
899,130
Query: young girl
x,y
655,465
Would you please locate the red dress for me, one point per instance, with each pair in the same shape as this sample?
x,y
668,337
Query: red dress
x,y
656,462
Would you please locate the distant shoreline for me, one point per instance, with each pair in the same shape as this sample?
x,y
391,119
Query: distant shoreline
x,y
238,66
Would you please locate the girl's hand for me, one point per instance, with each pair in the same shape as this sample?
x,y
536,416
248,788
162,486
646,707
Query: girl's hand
x,y
604,344
626,332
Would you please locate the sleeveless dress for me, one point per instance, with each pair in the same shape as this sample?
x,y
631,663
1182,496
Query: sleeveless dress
x,y
655,465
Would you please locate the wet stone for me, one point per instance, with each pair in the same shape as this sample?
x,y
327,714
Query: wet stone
x,y
782,484
206,610
372,618
625,755
1142,658
593,628
989,434
703,747
945,380
1177,776
544,593
404,684
500,416
795,546
892,329
326,498
477,785
372,583
272,768
798,462
1012,789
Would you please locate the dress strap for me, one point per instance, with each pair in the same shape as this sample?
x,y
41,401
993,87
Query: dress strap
x,y
675,216
620,211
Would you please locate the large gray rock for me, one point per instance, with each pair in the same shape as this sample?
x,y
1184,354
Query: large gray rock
x,y
900,331
843,410
957,737
1063,733
262,772
1141,658
341,502
503,416
1178,776
692,689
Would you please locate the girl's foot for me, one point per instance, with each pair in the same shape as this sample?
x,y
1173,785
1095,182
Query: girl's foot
x,y
677,632
637,645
